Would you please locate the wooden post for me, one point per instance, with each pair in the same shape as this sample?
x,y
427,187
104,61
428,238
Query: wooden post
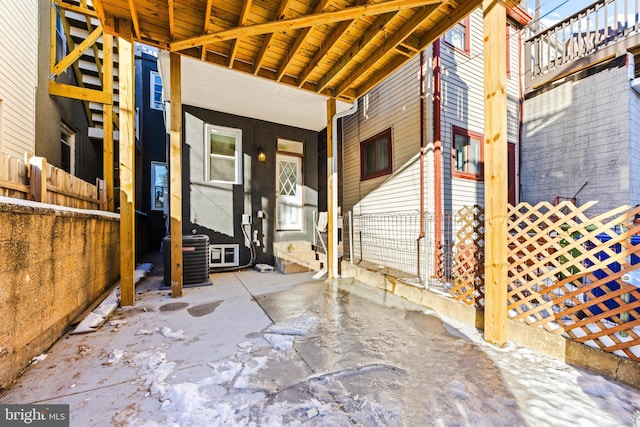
x,y
332,201
38,179
107,110
127,164
495,172
175,175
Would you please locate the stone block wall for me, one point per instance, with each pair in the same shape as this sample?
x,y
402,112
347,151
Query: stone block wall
x,y
54,262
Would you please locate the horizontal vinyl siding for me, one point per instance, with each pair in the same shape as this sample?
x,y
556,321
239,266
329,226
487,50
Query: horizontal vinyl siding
x,y
18,75
395,103
463,106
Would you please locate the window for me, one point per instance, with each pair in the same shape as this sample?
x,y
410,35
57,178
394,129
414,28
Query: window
x,y
67,149
61,40
223,154
375,156
458,36
467,154
156,91
159,185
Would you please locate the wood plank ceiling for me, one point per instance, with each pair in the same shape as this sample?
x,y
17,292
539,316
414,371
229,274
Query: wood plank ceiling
x,y
336,48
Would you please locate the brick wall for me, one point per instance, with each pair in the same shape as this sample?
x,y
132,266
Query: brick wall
x,y
578,132
54,262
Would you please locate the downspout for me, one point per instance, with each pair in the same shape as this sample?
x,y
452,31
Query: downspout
x,y
521,117
334,187
422,150
437,149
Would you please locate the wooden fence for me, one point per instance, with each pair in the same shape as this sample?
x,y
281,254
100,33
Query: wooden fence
x,y
35,179
570,273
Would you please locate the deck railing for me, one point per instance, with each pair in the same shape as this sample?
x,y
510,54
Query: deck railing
x,y
598,32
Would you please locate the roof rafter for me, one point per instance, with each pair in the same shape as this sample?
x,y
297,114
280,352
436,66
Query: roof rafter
x,y
396,38
293,51
302,22
205,29
134,18
427,38
350,55
172,25
284,5
246,5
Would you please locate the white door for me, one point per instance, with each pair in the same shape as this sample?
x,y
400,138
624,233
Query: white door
x,y
288,192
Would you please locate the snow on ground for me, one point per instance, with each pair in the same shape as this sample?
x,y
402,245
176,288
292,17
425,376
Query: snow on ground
x,y
545,391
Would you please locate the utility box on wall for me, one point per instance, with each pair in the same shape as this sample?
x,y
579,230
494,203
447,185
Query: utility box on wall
x,y
195,259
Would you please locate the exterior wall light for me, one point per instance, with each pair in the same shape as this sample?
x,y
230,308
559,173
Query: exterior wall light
x,y
262,157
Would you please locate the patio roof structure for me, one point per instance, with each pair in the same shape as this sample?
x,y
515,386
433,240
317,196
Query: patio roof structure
x,y
339,49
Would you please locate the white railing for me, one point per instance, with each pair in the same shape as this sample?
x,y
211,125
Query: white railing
x,y
592,35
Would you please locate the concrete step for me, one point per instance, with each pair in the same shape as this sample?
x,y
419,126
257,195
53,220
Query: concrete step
x,y
293,246
287,266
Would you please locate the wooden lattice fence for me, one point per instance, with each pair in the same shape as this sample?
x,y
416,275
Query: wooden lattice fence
x,y
468,281
569,272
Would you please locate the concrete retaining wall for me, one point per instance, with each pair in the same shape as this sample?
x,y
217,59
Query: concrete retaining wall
x,y
54,262
576,354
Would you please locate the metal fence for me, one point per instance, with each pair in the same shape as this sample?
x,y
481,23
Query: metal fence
x,y
395,243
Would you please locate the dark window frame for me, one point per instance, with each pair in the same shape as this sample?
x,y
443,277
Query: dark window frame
x,y
371,142
470,135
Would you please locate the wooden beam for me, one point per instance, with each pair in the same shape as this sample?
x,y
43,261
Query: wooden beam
x,y
134,18
301,22
336,34
175,174
172,25
495,172
246,5
127,163
426,39
350,54
205,30
77,52
107,112
82,9
81,93
332,202
389,44
266,43
299,41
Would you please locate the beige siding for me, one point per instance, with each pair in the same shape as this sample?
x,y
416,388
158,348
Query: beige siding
x,y
396,104
18,75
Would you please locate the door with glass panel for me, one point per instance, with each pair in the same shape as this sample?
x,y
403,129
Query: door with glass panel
x,y
289,207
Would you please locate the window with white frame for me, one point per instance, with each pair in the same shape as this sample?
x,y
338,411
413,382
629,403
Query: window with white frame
x,y
61,39
223,154
458,36
159,185
467,154
156,91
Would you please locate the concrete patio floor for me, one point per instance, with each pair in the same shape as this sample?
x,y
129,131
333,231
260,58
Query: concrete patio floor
x,y
270,349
